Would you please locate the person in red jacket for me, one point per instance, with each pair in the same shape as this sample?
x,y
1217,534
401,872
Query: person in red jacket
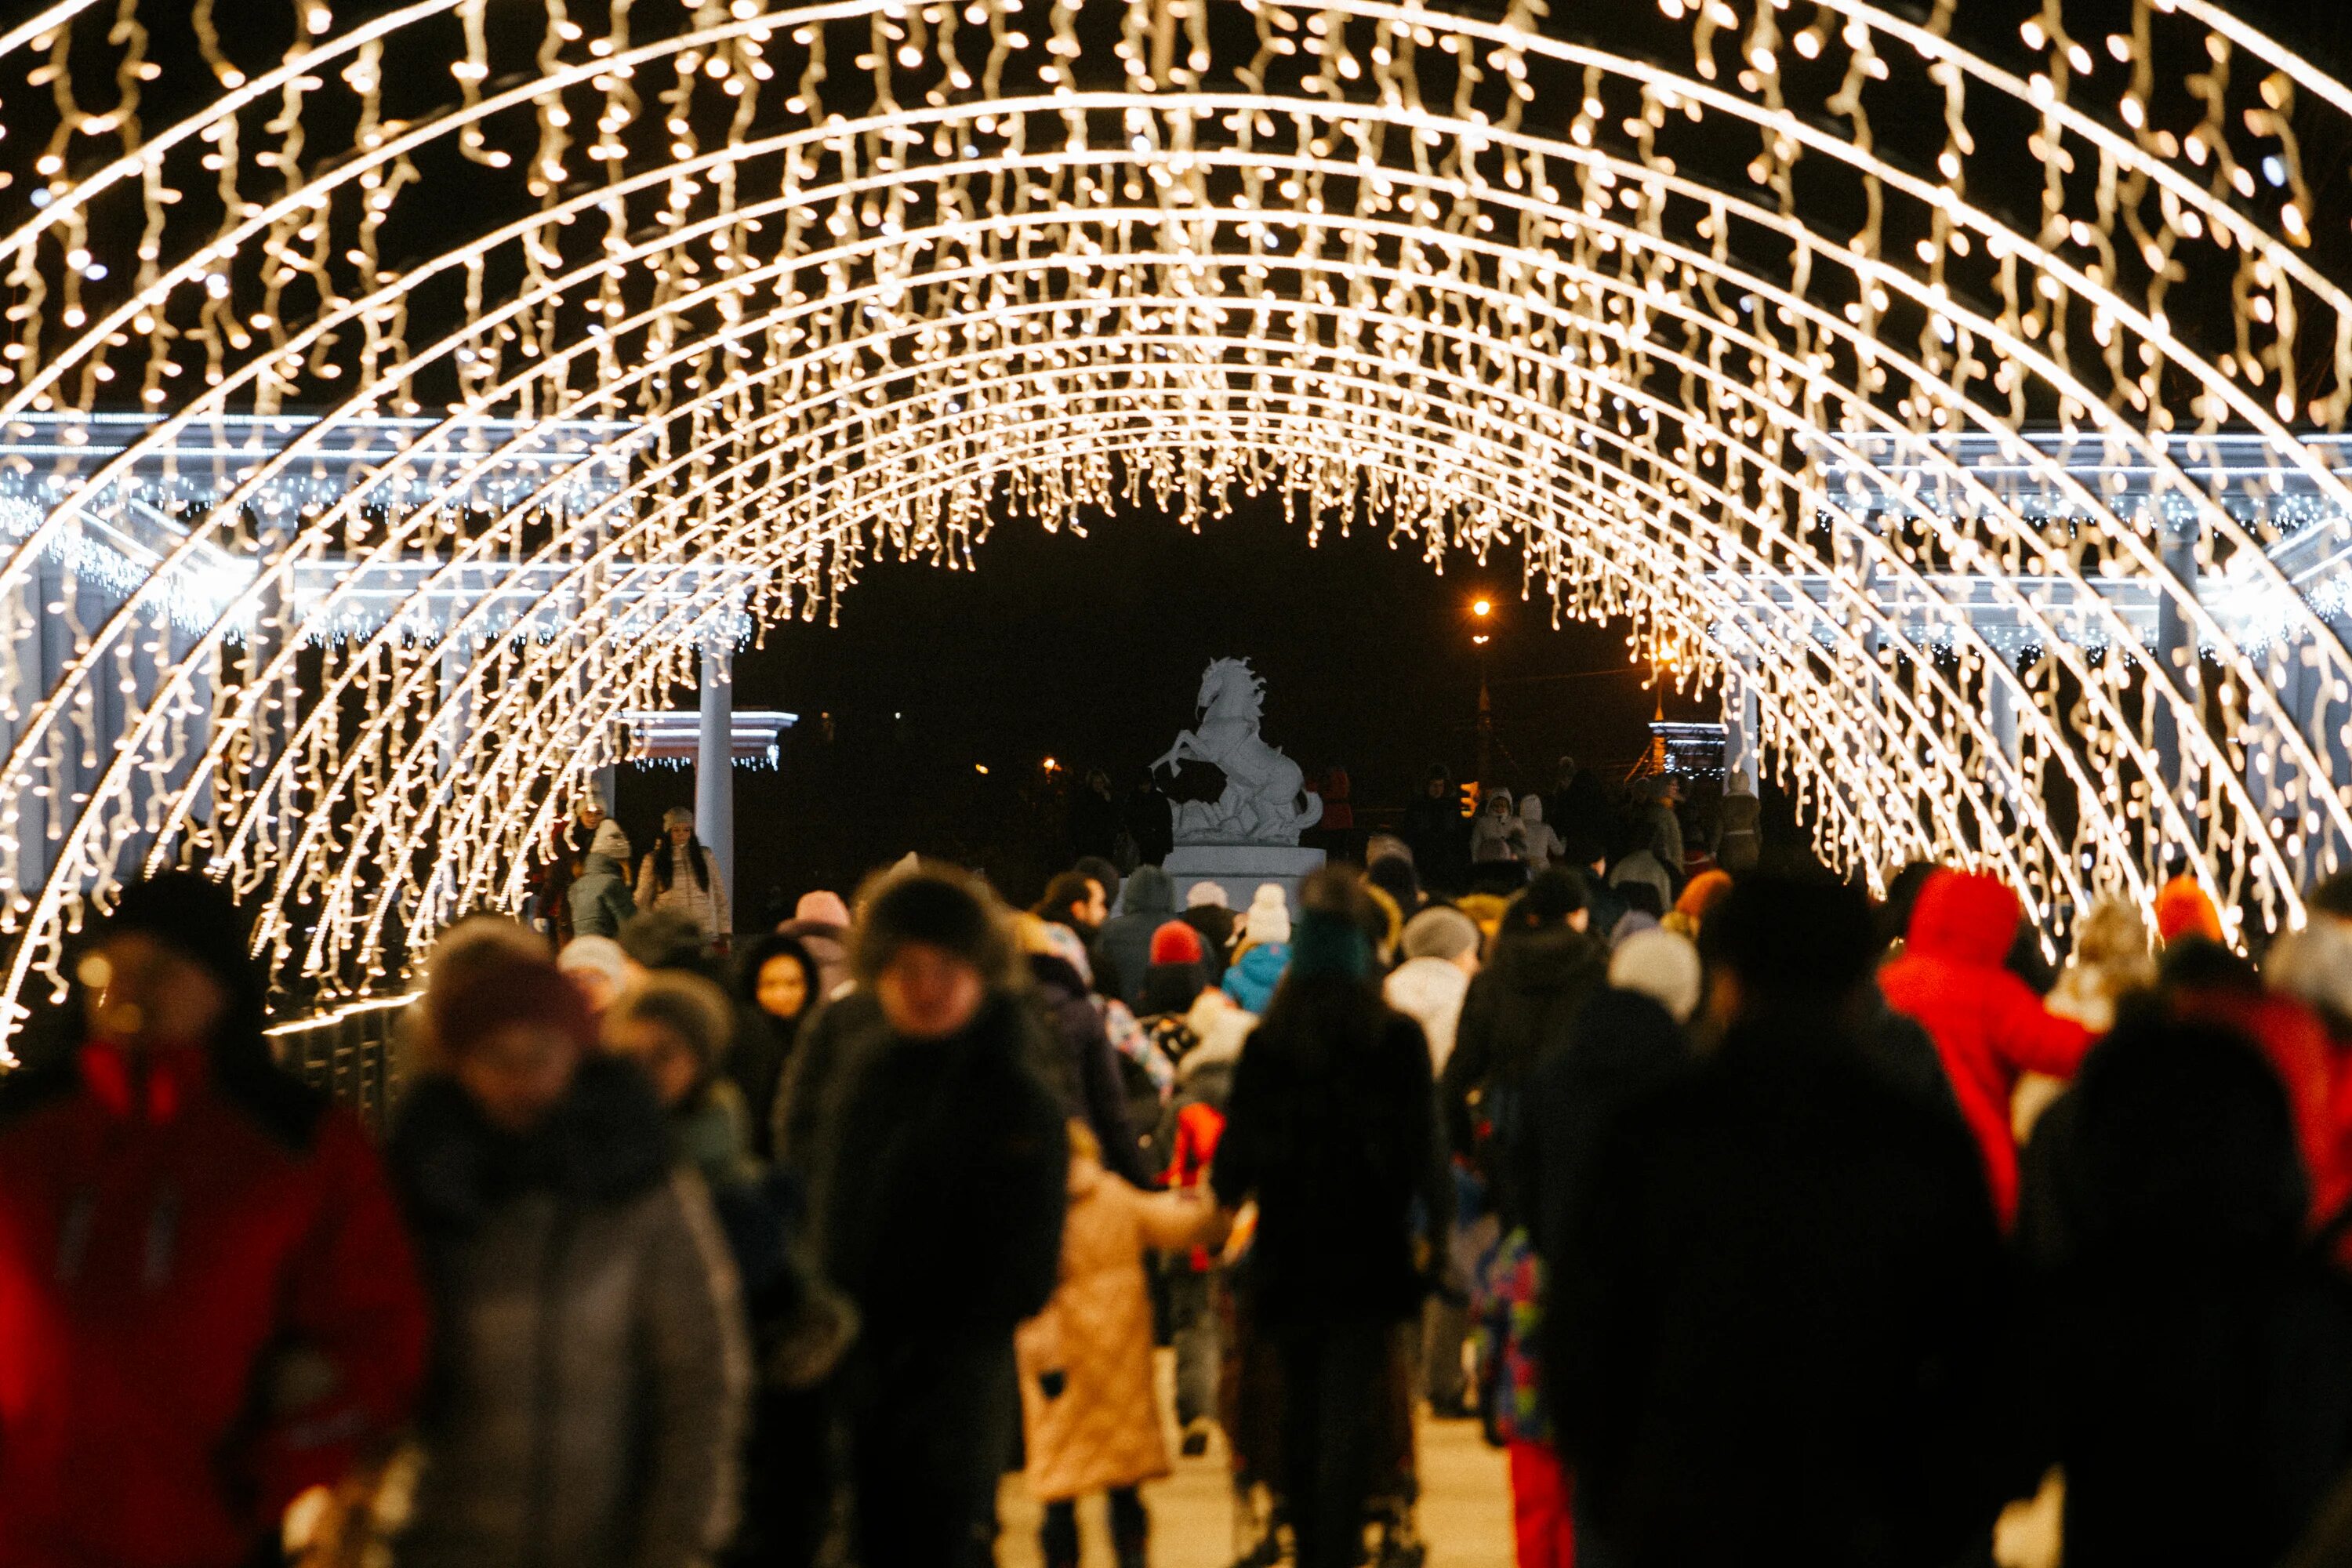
x,y
207,1304
1988,1025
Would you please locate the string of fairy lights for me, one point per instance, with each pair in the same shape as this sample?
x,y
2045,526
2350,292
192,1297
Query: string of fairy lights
x,y
388,409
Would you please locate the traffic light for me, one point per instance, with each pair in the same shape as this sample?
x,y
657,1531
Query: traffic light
x,y
1470,799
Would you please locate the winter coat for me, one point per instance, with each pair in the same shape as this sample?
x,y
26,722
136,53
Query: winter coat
x,y
1254,972
590,1369
1088,1070
1519,1011
2192,1351
935,1170
1196,1117
703,902
600,900
1662,832
1988,1027
1429,990
1152,823
1149,900
1496,838
1624,1047
176,1256
1738,833
1786,1303
1100,1425
1578,809
1539,844
1330,1127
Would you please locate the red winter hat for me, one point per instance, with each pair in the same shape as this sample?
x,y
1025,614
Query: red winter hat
x,y
1176,943
528,990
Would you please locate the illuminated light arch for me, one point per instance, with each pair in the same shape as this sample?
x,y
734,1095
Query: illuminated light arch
x,y
1164,250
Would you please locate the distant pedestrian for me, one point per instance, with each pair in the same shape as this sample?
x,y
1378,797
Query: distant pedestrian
x,y
600,896
1441,955
676,1028
1261,949
1739,825
1433,829
1091,1414
1151,821
208,1304
680,874
1539,844
1094,817
1330,1132
778,984
590,1370
938,1166
1206,911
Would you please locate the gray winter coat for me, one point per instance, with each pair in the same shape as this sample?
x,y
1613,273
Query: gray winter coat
x,y
600,899
590,1370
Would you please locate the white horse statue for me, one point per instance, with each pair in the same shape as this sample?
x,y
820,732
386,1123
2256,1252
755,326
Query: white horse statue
x,y
1266,800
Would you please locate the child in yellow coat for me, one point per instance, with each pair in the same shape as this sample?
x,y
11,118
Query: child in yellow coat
x,y
1089,1406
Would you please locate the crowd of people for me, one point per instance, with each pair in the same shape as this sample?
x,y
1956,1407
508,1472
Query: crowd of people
x,y
1757,1220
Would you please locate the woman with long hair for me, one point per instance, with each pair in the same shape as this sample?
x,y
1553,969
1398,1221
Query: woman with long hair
x,y
680,874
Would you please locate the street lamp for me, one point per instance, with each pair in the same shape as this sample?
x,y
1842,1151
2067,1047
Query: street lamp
x,y
1482,610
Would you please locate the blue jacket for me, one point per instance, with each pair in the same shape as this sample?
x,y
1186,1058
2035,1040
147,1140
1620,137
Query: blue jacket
x,y
1251,979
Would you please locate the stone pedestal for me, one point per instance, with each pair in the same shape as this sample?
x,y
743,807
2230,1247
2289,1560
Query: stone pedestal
x,y
1240,867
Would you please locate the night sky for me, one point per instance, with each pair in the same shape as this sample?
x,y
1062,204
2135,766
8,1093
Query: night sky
x,y
1090,651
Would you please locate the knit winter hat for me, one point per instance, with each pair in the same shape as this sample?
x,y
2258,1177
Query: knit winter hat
x,y
1440,933
1204,893
1661,966
520,991
594,955
676,816
824,908
2182,909
1268,919
688,1006
1176,943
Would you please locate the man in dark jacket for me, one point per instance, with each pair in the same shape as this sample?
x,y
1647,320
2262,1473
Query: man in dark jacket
x,y
2192,1350
1520,1010
1438,834
208,1304
1777,1325
1148,903
936,1160
1330,1130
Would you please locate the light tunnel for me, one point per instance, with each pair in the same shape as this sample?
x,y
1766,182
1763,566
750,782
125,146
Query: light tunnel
x,y
390,406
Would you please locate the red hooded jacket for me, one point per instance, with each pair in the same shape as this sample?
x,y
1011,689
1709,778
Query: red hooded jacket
x,y
208,1304
1988,1025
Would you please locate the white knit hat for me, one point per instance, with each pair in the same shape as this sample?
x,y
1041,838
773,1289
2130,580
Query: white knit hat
x,y
1202,893
1661,966
1268,919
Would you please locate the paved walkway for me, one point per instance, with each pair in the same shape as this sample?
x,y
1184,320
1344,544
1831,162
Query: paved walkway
x,y
1465,1508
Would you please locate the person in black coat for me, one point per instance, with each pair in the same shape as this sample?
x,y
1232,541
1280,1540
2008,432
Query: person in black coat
x,y
1438,834
777,988
1520,1010
936,1159
2193,1351
1085,1068
1778,1317
1330,1129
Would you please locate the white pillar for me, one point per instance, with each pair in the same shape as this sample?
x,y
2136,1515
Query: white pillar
x,y
2176,652
714,765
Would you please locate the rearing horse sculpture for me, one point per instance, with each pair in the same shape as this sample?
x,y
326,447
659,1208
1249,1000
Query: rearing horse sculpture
x,y
1266,800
